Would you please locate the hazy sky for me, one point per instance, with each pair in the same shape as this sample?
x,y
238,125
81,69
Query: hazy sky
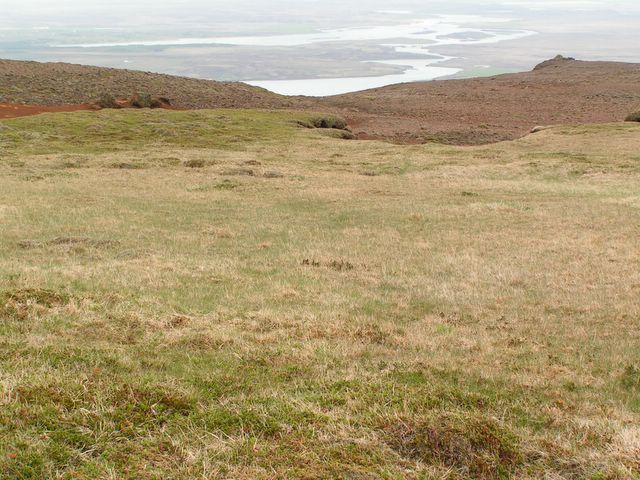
x,y
55,11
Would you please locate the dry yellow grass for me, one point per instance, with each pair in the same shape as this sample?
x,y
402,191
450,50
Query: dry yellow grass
x,y
300,306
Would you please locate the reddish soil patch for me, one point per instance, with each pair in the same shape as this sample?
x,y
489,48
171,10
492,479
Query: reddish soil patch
x,y
14,110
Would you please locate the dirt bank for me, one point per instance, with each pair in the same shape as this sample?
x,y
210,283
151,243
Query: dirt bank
x,y
13,110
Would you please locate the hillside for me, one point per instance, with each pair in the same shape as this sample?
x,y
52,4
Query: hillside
x,y
472,111
223,294
484,110
62,83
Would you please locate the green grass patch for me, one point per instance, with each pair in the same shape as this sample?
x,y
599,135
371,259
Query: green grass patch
x,y
130,129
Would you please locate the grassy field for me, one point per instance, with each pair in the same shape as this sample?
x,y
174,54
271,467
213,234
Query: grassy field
x,y
224,294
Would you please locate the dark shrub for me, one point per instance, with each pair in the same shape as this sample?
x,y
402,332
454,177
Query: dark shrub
x,y
107,101
141,100
324,121
155,103
145,100
633,117
330,122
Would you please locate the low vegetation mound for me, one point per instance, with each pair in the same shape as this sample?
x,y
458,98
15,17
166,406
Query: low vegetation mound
x,y
327,121
633,117
146,100
138,100
476,447
108,101
336,125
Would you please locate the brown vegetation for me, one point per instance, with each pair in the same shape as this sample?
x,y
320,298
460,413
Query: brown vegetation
x,y
484,110
62,83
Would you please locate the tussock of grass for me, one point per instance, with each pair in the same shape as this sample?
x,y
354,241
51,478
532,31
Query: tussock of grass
x,y
126,165
631,377
194,163
23,304
35,296
66,242
474,447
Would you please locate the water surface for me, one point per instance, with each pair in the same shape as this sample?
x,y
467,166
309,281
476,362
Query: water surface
x,y
417,38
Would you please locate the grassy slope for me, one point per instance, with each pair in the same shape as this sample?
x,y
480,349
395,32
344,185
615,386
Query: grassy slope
x,y
306,307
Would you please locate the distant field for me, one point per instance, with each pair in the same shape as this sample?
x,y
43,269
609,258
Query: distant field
x,y
224,294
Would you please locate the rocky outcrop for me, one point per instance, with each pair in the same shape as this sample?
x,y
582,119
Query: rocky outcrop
x,y
557,61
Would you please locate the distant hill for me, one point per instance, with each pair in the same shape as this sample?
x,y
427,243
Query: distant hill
x,y
64,83
482,110
469,111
